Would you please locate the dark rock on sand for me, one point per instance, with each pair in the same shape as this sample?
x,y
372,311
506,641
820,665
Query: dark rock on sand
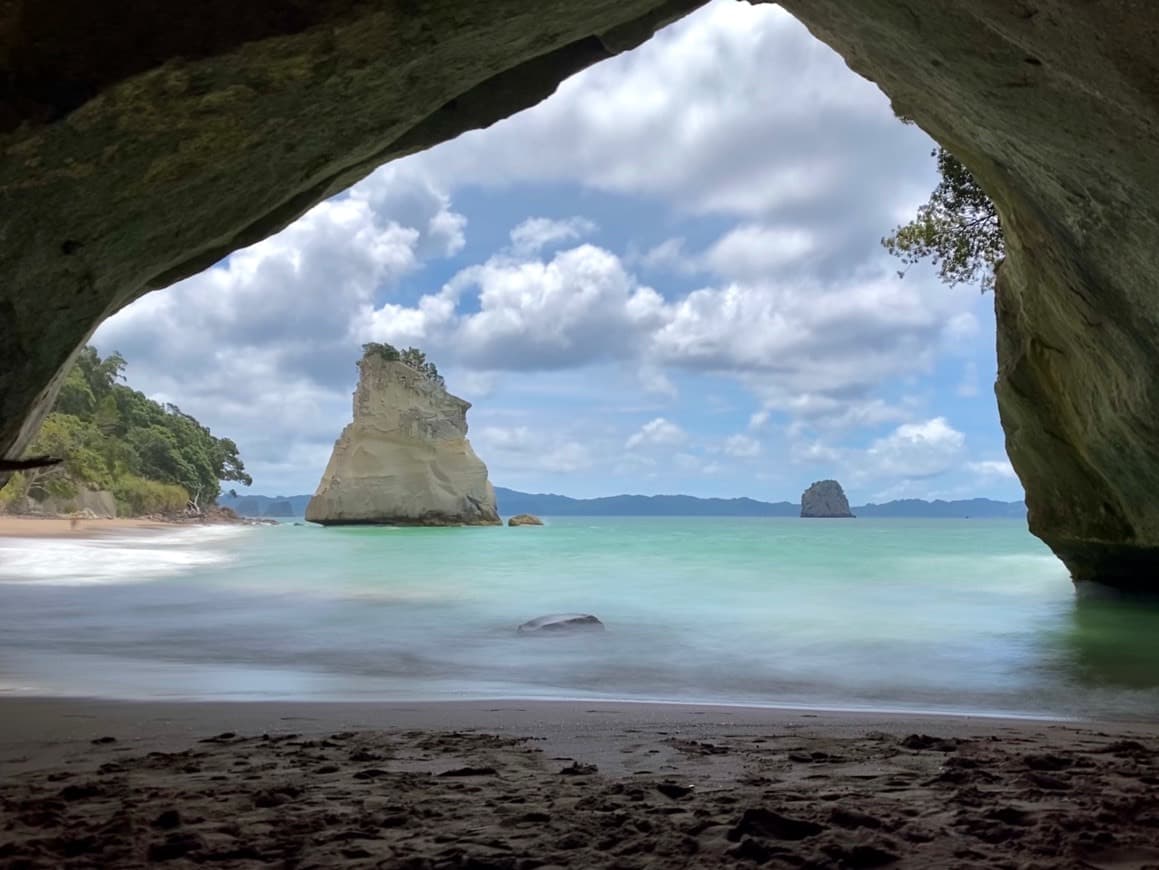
x,y
561,623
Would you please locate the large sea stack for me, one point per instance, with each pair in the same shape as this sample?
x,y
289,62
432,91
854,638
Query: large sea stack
x,y
825,499
405,459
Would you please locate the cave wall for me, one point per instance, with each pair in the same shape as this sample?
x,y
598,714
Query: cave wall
x,y
143,140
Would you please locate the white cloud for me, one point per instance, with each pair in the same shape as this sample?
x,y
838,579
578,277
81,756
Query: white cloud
x,y
719,113
502,447
813,351
668,256
580,307
807,338
655,381
657,433
993,468
822,411
691,463
961,332
534,234
814,453
742,446
915,450
754,252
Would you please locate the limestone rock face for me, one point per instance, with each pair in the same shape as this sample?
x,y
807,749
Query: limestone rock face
x,y
95,502
825,498
405,458
525,520
143,142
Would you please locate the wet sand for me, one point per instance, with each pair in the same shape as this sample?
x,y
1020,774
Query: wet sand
x,y
565,784
65,527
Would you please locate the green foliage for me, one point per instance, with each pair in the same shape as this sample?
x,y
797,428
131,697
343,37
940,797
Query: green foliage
x,y
138,496
13,491
155,458
411,356
958,229
377,348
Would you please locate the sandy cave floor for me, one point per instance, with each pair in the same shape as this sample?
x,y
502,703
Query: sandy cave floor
x,y
1020,797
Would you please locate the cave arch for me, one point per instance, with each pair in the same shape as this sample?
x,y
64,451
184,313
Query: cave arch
x,y
144,141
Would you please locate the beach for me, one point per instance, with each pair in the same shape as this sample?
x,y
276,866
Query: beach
x,y
66,527
514,784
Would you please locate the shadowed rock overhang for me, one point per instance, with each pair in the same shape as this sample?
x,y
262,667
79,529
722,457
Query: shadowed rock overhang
x,y
143,141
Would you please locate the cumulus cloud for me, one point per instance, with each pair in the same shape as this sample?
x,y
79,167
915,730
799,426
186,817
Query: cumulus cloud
x,y
993,468
534,234
582,306
814,453
753,251
502,446
668,256
916,450
813,351
735,110
742,446
657,433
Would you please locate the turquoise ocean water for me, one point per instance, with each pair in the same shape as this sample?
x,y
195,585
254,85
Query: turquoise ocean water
x,y
937,615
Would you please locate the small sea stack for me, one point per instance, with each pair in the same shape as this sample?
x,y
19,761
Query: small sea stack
x,y
525,520
825,499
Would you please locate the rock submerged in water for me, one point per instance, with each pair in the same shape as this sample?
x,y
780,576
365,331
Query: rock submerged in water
x,y
561,623
525,520
825,499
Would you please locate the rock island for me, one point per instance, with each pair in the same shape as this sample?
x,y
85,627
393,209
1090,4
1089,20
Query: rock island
x,y
405,459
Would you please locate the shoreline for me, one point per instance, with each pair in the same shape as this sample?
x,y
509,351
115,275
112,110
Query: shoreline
x,y
62,527
35,724
653,706
79,528
522,784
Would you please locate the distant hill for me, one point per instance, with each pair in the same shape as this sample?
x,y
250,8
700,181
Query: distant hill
x,y
514,502
265,506
916,507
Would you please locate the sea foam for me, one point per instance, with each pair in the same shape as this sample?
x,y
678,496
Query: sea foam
x,y
115,560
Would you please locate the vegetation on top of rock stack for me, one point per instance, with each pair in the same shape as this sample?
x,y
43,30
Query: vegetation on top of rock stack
x,y
153,457
410,356
958,228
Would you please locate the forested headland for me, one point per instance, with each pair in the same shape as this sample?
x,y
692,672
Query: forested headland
x,y
152,457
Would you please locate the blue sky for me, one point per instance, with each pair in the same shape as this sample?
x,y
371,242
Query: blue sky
x,y
667,277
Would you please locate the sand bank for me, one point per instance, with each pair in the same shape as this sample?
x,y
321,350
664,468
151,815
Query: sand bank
x,y
64,527
567,784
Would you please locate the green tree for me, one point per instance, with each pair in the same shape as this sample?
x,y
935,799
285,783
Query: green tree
x,y
411,356
155,458
958,229
378,348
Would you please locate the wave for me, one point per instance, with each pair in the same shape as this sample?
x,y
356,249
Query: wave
x,y
115,560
